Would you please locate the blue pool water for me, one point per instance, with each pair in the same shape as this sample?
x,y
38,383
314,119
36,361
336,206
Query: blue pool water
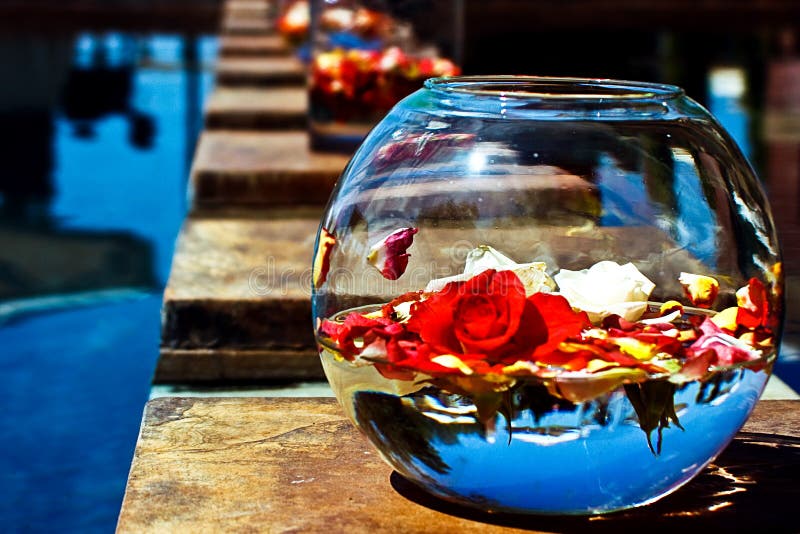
x,y
90,206
78,380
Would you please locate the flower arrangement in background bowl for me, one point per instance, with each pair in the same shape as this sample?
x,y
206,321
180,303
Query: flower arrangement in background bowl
x,y
367,56
565,360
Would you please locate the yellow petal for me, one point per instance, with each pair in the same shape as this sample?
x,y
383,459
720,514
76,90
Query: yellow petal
x,y
701,290
322,257
452,362
521,367
670,306
599,365
726,319
633,347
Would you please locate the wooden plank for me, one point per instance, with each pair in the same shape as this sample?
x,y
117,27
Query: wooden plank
x,y
261,169
297,465
239,285
260,71
278,108
253,46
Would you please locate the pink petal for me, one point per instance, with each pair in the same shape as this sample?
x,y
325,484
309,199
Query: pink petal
x,y
389,255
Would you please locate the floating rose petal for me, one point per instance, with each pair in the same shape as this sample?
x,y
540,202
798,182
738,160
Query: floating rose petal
x,y
753,305
322,258
669,307
728,349
357,333
696,366
726,319
699,289
561,322
389,255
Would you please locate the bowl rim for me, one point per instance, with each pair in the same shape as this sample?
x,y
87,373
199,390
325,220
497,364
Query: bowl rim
x,y
555,89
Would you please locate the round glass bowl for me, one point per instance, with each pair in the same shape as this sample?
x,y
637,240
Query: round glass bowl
x,y
548,295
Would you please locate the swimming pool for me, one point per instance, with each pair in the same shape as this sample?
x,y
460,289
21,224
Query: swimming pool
x,y
90,204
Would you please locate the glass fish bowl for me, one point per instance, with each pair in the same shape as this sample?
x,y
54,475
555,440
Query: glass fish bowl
x,y
548,295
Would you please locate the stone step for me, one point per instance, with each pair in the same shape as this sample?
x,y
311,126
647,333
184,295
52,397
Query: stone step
x,y
236,366
277,108
298,465
237,303
253,46
244,25
261,169
269,71
248,8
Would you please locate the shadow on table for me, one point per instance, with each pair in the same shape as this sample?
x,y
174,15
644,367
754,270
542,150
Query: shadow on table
x,y
753,486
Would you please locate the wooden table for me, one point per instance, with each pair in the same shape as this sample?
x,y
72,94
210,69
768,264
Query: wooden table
x,y
297,465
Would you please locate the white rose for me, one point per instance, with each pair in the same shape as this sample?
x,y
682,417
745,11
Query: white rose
x,y
533,275
606,288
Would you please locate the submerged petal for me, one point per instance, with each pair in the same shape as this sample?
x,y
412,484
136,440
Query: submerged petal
x,y
322,257
389,254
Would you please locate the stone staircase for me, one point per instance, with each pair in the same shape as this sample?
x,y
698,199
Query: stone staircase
x,y
236,308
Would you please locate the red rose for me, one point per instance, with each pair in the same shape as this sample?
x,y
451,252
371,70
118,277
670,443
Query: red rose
x,y
489,315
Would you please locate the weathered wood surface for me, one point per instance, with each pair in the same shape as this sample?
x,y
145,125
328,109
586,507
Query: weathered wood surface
x,y
248,108
261,169
238,285
260,72
253,46
297,465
